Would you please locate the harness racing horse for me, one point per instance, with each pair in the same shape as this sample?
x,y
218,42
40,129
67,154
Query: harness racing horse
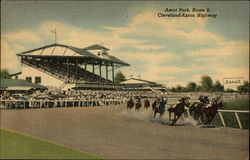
x,y
138,104
130,104
159,107
178,109
196,107
146,103
211,109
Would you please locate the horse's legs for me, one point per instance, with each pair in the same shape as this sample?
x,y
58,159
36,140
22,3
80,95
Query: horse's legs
x,y
161,114
211,117
202,119
175,117
208,119
154,114
196,116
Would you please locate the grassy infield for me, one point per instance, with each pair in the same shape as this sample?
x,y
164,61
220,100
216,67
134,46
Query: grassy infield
x,y
19,146
230,119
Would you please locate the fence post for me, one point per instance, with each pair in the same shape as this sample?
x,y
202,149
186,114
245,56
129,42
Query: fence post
x,y
238,119
222,120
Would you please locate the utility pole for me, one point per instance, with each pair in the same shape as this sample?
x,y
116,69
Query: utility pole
x,y
54,31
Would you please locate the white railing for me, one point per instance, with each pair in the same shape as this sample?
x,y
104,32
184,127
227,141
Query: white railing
x,y
235,113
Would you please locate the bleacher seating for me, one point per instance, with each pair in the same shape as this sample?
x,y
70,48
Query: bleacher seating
x,y
84,76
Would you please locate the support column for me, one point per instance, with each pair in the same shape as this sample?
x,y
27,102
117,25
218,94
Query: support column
x,y
37,62
93,70
107,75
58,64
100,69
76,68
85,72
68,67
113,74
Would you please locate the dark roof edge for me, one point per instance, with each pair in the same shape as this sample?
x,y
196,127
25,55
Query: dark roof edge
x,y
77,50
14,74
54,44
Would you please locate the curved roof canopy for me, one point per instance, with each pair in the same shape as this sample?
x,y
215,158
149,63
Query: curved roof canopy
x,y
60,50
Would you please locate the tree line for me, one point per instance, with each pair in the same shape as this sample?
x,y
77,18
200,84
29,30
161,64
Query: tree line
x,y
207,85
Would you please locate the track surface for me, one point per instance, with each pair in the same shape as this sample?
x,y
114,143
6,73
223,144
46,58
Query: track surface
x,y
111,134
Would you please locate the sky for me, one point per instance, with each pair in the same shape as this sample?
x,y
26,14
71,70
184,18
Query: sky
x,y
169,50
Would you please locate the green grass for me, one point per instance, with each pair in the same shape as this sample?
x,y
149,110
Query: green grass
x,y
230,119
18,146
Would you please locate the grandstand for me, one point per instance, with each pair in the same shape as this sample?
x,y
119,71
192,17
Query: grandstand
x,y
59,66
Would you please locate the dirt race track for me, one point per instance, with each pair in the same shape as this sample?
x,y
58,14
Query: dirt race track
x,y
115,133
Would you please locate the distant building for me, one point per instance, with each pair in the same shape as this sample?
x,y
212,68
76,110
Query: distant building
x,y
134,83
232,82
65,67
18,85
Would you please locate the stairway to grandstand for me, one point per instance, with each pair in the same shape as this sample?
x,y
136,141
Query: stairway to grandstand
x,y
60,73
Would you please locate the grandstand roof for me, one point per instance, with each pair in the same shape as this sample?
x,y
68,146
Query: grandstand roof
x,y
95,47
6,83
60,50
137,81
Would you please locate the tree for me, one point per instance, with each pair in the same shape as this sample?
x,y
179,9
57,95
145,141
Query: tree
x,y
244,88
119,77
172,89
191,86
198,88
229,90
5,74
206,83
179,88
217,87
240,88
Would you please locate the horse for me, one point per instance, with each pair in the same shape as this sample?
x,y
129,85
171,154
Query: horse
x,y
211,109
138,104
204,99
159,107
193,109
196,107
178,109
146,103
130,104
154,104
